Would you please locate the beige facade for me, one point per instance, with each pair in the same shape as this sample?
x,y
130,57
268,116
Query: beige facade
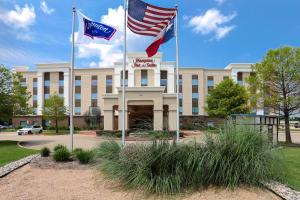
x,y
150,89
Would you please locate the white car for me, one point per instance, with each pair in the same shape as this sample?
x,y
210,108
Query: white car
x,y
30,130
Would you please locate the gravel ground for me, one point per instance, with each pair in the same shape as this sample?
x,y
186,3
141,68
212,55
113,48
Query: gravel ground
x,y
43,179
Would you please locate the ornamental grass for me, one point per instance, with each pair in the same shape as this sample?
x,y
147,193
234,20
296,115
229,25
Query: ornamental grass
x,y
238,155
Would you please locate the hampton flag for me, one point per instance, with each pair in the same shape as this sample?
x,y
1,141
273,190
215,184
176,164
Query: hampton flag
x,y
149,20
92,29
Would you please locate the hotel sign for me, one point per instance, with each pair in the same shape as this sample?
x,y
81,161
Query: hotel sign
x,y
144,62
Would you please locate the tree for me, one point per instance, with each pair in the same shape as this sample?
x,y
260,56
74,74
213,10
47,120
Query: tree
x,y
13,97
6,93
277,82
54,109
227,98
21,97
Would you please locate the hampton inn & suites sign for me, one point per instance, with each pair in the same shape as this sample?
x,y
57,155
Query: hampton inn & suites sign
x,y
143,62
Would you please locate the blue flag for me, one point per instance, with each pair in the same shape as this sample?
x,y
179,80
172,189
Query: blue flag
x,y
94,29
88,28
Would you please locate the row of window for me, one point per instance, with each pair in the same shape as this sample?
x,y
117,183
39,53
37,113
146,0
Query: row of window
x,y
109,82
144,79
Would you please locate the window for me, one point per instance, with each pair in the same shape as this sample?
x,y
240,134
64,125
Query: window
x,y
195,95
46,123
210,83
195,106
94,88
144,78
108,83
94,96
61,95
180,110
94,82
210,124
23,123
195,110
180,106
180,95
34,85
240,78
23,82
77,81
61,83
77,96
77,110
180,83
35,111
195,80
34,92
164,80
126,78
47,83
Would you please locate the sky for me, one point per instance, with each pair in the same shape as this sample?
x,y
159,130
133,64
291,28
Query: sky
x,y
212,33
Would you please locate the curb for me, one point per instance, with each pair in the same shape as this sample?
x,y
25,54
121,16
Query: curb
x,y
282,191
10,167
24,147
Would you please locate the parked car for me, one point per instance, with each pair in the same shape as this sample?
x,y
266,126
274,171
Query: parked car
x,y
297,125
30,130
4,126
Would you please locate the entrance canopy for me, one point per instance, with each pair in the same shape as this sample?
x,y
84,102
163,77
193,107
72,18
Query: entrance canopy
x,y
143,104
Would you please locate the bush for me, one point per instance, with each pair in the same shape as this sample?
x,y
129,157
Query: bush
x,y
45,152
237,156
84,157
59,146
111,133
61,154
76,150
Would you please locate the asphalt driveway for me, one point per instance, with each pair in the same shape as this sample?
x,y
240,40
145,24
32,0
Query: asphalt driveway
x,y
90,141
39,141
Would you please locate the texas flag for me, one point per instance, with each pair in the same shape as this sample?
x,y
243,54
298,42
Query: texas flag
x,y
165,35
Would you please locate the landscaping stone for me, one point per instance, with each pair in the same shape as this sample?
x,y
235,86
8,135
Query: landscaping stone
x,y
6,169
283,191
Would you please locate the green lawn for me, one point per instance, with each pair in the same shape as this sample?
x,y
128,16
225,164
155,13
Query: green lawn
x,y
10,151
291,156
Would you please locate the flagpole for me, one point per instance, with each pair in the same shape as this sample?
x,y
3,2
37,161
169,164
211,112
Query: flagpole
x,y
177,79
71,88
124,70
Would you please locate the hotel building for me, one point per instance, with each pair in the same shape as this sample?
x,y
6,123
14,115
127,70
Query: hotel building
x,y
150,91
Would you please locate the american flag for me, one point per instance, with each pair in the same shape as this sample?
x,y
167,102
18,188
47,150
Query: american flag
x,y
146,19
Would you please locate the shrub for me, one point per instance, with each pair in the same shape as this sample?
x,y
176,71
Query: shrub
x,y
59,146
61,154
45,152
239,155
76,150
84,157
111,133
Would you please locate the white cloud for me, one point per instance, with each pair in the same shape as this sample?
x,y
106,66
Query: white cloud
x,y
45,8
212,22
19,17
112,51
220,2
